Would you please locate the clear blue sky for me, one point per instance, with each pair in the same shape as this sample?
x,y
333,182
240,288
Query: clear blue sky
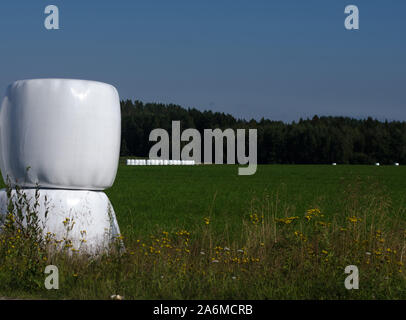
x,y
275,59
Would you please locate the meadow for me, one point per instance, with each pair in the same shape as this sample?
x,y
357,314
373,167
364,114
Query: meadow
x,y
147,197
203,232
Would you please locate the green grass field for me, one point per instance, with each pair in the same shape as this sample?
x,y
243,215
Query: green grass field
x,y
203,232
171,197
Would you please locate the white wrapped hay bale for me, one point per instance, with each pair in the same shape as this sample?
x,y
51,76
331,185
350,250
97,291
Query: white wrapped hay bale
x,y
89,213
76,125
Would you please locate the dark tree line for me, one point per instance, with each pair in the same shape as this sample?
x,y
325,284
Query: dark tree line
x,y
317,140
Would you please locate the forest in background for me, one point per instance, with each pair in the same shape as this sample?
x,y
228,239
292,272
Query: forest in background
x,y
320,140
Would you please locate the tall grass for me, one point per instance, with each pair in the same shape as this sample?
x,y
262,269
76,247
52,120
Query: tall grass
x,y
277,255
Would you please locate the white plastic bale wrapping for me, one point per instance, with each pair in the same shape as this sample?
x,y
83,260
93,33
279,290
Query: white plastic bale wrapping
x,y
95,224
66,131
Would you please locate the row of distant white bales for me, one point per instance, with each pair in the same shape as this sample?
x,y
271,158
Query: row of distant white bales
x,y
160,162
